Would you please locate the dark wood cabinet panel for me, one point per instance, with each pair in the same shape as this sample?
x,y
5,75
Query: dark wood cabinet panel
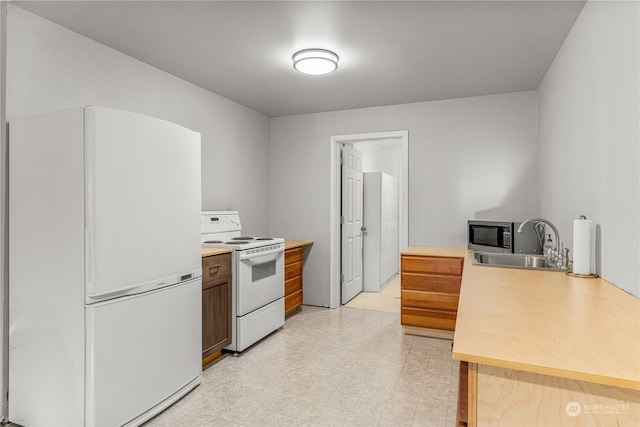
x,y
216,304
216,317
216,266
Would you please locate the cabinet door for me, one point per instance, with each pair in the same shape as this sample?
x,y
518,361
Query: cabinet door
x,y
216,316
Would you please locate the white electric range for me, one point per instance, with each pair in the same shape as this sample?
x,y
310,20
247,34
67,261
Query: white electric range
x,y
257,276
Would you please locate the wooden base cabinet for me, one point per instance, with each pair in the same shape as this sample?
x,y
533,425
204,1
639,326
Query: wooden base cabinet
x,y
216,304
430,288
293,262
295,252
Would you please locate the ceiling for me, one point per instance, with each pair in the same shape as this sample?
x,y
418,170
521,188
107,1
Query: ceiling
x,y
391,52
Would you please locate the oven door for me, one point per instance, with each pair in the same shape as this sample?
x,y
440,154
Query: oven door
x,y
259,279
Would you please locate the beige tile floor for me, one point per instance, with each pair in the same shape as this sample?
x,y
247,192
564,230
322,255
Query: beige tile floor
x,y
327,367
386,300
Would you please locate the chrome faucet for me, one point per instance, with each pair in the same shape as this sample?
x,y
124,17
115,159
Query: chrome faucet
x,y
557,256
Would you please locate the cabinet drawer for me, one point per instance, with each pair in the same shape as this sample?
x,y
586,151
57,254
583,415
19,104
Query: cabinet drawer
x,y
292,270
429,300
423,318
430,283
433,265
293,285
293,255
216,266
292,301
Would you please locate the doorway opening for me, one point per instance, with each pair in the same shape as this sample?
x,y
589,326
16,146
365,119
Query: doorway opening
x,y
395,165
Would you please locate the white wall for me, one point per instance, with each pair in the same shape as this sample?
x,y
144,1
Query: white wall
x,y
468,158
381,157
371,156
51,68
589,136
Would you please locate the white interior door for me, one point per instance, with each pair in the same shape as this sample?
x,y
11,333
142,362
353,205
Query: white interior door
x,y
351,265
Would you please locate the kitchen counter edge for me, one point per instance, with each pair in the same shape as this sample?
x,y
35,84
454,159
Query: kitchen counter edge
x,y
292,244
206,251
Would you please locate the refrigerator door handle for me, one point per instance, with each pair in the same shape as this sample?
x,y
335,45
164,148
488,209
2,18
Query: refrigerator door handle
x,y
135,289
139,288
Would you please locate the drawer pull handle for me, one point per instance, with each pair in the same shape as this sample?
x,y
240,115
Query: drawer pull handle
x,y
214,270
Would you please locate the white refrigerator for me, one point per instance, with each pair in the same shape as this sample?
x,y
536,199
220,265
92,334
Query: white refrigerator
x,y
104,267
381,255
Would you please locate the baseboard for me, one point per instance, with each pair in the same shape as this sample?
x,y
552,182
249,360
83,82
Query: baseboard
x,y
428,332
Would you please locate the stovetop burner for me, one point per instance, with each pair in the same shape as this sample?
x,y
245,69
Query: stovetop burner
x,y
237,242
213,241
242,238
264,238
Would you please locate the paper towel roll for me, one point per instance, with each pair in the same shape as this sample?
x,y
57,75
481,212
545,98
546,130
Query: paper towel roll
x,y
584,248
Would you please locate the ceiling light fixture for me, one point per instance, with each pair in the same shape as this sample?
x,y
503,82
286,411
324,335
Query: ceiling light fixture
x,y
315,61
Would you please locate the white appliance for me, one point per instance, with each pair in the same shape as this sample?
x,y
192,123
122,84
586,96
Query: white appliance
x,y
104,267
380,214
257,274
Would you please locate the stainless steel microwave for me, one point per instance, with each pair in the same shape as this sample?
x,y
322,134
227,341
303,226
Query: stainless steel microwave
x,y
502,236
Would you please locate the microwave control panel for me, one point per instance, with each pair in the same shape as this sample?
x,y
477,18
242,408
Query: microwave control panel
x,y
506,238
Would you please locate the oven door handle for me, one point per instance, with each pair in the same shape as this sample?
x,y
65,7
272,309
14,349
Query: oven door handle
x,y
261,257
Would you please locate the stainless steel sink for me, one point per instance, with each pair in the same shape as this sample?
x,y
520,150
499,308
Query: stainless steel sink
x,y
525,261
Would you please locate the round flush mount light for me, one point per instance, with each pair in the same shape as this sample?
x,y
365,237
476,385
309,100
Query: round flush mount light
x,y
315,61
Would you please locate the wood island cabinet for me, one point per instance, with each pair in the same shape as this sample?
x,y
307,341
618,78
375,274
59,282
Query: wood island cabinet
x,y
216,305
430,289
294,256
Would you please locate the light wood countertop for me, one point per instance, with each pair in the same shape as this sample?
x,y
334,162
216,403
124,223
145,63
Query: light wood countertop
x,y
548,323
290,244
206,251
